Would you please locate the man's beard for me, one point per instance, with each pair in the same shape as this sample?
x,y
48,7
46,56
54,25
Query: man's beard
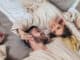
x,y
66,33
37,40
41,39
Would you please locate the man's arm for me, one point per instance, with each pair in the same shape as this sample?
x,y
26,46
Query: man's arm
x,y
40,55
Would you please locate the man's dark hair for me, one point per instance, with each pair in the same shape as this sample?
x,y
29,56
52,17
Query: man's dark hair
x,y
66,33
30,29
27,44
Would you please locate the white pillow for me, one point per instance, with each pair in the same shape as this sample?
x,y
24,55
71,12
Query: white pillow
x,y
18,16
15,12
44,14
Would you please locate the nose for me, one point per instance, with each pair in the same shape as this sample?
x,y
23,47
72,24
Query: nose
x,y
53,29
38,34
41,33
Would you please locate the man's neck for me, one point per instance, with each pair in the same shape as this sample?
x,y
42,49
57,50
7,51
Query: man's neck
x,y
38,46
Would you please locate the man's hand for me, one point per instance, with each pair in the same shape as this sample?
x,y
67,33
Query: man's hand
x,y
25,36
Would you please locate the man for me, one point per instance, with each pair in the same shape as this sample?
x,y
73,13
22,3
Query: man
x,y
55,50
35,32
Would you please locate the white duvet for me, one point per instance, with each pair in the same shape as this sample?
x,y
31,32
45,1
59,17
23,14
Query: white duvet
x,y
15,11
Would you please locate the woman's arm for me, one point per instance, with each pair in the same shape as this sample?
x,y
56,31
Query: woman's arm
x,y
72,27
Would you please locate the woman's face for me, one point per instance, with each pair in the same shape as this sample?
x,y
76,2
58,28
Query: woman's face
x,y
56,27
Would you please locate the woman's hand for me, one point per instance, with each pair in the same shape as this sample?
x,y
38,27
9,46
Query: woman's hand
x,y
77,23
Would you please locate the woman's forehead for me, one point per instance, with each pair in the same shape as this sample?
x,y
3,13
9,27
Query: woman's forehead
x,y
52,23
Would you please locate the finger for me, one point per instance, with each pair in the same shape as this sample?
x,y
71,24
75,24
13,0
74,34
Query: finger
x,y
27,37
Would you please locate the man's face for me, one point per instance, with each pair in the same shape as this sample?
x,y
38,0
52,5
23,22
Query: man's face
x,y
56,27
37,33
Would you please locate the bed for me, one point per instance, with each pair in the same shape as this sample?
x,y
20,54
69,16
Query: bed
x,y
17,15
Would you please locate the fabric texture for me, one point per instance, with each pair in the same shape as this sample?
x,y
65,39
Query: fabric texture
x,y
44,14
64,5
3,53
59,48
56,51
21,17
43,55
17,49
40,14
15,12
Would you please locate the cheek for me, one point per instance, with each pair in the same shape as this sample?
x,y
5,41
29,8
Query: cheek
x,y
36,35
59,32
